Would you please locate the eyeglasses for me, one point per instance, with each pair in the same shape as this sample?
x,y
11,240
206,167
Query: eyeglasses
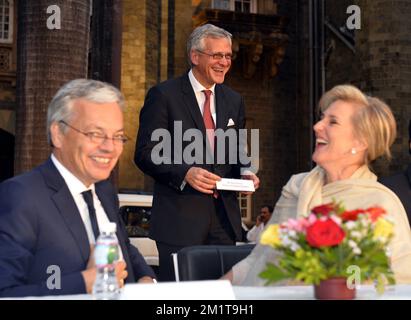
x,y
218,55
99,138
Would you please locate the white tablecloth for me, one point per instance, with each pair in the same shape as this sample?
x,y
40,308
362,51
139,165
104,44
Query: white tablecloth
x,y
398,292
366,292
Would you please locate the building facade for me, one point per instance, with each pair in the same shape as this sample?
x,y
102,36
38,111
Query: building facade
x,y
286,53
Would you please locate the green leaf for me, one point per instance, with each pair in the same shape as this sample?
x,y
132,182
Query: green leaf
x,y
273,274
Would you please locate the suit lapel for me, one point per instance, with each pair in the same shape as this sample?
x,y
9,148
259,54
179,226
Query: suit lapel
x,y
66,206
191,104
222,112
221,108
106,201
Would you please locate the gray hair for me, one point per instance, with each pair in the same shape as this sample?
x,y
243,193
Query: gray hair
x,y
196,39
60,107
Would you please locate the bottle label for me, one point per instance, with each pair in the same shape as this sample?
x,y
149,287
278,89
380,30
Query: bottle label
x,y
106,254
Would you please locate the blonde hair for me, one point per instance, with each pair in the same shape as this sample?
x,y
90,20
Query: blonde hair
x,y
373,120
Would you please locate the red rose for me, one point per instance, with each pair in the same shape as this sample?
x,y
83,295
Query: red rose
x,y
351,215
324,209
375,213
324,233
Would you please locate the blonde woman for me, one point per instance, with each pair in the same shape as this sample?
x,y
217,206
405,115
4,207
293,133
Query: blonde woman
x,y
353,131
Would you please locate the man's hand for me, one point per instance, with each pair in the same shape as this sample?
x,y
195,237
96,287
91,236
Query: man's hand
x,y
202,180
258,222
121,272
146,279
89,275
256,181
228,276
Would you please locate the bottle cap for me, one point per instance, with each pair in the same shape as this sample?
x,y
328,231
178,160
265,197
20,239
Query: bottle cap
x,y
109,227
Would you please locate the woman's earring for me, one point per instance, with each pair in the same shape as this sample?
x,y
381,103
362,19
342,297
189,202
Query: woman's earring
x,y
353,151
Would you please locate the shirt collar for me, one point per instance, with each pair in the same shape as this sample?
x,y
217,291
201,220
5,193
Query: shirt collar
x,y
73,183
197,86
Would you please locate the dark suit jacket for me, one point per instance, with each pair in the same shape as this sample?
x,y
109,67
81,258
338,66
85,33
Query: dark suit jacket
x,y
183,217
400,184
40,226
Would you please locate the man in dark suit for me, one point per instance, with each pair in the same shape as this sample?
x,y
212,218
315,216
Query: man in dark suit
x,y
400,183
50,217
186,208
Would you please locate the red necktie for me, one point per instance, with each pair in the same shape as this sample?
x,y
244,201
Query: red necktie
x,y
208,119
209,125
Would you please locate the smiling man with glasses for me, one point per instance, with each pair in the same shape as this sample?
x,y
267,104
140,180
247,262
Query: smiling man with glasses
x,y
51,216
187,210
218,55
99,138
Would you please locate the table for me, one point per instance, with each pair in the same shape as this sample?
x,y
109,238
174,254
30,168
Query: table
x,y
365,292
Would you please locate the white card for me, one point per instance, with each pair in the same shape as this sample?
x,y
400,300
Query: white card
x,y
186,290
235,185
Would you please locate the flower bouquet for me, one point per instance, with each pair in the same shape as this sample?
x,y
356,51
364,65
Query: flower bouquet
x,y
332,243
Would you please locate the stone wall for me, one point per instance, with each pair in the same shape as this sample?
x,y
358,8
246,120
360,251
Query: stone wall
x,y
381,65
133,85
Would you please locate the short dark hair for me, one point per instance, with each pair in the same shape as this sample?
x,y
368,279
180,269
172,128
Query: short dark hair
x,y
270,208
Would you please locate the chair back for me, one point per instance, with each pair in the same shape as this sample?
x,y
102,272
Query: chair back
x,y
208,262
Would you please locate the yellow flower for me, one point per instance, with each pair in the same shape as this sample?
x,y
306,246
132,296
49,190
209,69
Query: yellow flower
x,y
383,229
271,236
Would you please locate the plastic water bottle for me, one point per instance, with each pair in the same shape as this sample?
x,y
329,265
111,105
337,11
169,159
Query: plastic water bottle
x,y
106,254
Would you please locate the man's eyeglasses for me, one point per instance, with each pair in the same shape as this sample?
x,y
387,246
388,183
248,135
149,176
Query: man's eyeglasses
x,y
218,55
99,138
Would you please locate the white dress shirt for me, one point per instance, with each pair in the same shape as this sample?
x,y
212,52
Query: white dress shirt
x,y
200,96
255,233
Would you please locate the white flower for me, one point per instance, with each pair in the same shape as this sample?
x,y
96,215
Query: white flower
x,y
356,251
287,242
292,233
294,246
365,221
356,234
352,244
350,225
